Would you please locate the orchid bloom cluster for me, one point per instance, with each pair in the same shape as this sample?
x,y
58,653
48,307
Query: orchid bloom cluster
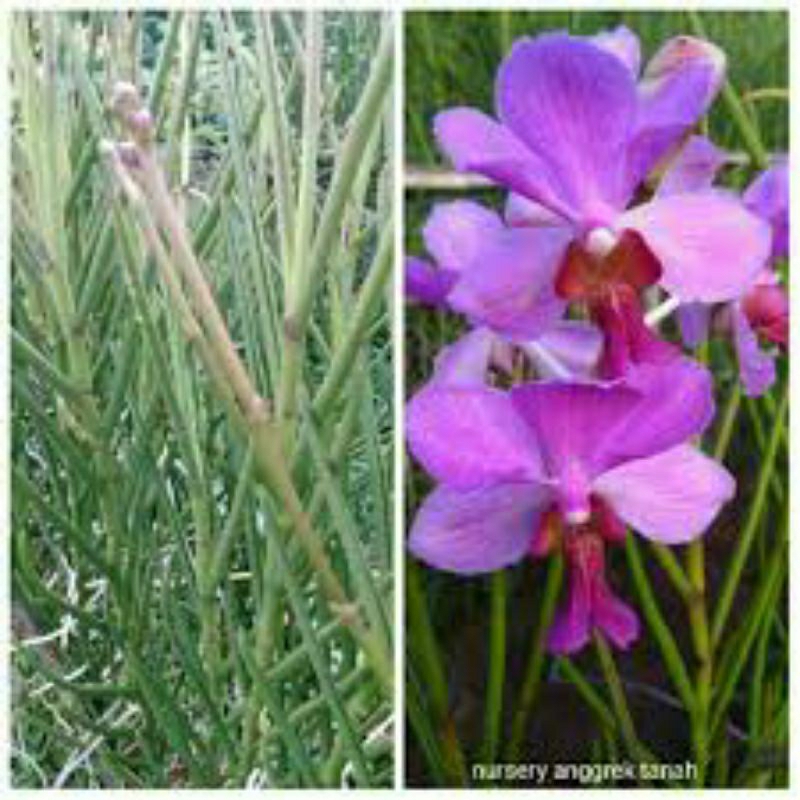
x,y
557,287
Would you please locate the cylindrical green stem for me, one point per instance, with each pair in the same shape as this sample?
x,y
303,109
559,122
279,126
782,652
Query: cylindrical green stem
x,y
536,660
493,717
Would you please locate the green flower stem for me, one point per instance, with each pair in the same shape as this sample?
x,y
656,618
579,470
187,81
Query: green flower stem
x,y
727,422
672,567
698,620
277,134
425,657
767,596
536,660
365,119
618,698
605,716
666,642
752,522
736,108
493,719
344,359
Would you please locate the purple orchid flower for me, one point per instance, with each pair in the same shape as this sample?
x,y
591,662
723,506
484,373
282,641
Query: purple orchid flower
x,y
575,137
463,237
588,455
762,309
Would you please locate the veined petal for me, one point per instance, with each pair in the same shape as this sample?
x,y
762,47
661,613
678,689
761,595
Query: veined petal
x,y
469,437
586,429
477,531
678,85
475,142
572,422
671,497
676,402
710,246
693,168
570,349
425,283
522,212
573,104
454,232
466,362
509,286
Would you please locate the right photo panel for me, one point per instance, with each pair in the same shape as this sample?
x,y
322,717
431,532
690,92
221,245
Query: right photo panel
x,y
596,421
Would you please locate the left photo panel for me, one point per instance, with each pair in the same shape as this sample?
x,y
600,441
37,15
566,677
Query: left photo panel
x,y
202,577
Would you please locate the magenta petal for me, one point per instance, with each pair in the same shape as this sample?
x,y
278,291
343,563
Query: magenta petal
x,y
678,86
671,497
693,168
454,232
756,367
570,349
466,362
768,196
509,287
586,429
571,628
425,283
693,234
521,212
573,104
476,531
468,438
475,142
622,43
615,618
693,320
676,402
572,422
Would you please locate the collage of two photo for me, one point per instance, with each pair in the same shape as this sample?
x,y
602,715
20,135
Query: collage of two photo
x,y
398,399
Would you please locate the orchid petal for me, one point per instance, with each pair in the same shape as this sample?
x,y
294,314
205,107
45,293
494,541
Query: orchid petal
x,y
756,367
676,402
590,428
623,43
466,362
677,88
671,497
573,104
570,349
475,142
615,618
477,531
522,212
572,421
710,246
693,168
509,287
768,196
454,232
425,283
470,437
571,628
